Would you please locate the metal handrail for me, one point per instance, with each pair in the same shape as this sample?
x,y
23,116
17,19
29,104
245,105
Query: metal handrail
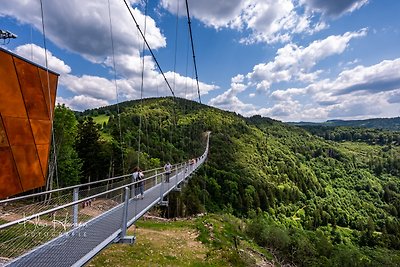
x,y
6,225
73,186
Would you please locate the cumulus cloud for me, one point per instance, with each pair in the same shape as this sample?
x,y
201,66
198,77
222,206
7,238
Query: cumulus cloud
x,y
394,97
267,21
294,62
221,13
82,102
384,76
229,100
93,86
361,92
86,29
335,8
36,54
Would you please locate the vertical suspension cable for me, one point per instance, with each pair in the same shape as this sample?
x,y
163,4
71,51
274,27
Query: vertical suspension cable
x,y
176,42
116,88
48,89
191,40
174,98
142,81
186,83
187,65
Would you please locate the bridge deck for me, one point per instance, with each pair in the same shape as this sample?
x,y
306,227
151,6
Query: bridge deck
x,y
79,245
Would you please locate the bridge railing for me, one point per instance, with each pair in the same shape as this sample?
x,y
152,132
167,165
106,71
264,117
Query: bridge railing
x,y
26,223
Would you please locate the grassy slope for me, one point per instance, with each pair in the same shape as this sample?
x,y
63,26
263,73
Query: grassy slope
x,y
205,241
100,119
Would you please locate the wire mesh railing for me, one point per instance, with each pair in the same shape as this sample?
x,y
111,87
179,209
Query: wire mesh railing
x,y
30,222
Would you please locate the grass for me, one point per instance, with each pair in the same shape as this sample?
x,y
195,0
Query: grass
x,y
205,241
100,119
157,244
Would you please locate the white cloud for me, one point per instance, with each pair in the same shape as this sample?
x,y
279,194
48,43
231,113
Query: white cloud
x,y
36,54
334,8
358,93
384,76
187,87
229,100
294,62
93,86
83,26
221,13
267,21
361,92
394,96
82,102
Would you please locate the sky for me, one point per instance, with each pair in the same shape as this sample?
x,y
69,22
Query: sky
x,y
291,60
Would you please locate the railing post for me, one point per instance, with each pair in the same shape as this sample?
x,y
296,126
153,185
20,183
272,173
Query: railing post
x,y
161,188
125,212
156,178
124,238
133,187
75,197
176,176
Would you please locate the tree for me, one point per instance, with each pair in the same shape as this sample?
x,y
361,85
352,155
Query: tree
x,y
88,148
68,163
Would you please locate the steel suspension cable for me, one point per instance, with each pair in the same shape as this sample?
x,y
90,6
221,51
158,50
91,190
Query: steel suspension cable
x,y
148,47
116,87
142,83
174,122
50,102
193,53
140,108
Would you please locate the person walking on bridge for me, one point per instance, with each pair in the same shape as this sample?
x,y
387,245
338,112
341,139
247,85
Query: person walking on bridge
x,y
167,169
139,187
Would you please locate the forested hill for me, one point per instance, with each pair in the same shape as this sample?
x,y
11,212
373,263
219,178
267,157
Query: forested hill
x,y
376,123
322,199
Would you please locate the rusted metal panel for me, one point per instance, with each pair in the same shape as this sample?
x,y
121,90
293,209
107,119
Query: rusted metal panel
x,y
53,79
41,130
28,166
31,88
11,102
3,136
8,173
25,123
18,131
43,152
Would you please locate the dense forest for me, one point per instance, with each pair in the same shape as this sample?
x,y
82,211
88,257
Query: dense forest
x,y
377,123
315,202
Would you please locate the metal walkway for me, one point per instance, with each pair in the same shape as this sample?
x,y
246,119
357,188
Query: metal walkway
x,y
81,243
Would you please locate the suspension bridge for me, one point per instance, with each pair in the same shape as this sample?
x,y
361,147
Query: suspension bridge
x,y
69,226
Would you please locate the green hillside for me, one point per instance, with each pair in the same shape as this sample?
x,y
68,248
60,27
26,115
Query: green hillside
x,y
297,190
377,123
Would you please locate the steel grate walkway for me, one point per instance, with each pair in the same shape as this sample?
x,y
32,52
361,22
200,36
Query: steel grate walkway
x,y
78,245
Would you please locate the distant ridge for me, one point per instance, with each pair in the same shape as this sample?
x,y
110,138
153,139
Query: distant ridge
x,y
376,123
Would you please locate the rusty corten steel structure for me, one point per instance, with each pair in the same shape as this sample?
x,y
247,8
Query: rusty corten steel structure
x,y
25,123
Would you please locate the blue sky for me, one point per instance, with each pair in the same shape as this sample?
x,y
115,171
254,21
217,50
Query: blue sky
x,y
292,60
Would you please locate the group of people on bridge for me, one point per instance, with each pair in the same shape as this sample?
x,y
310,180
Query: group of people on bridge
x,y
138,176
